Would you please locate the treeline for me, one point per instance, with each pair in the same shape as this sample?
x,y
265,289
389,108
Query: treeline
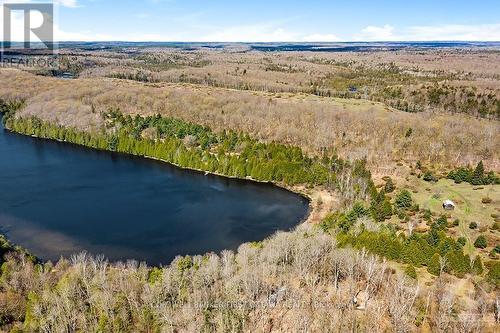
x,y
394,86
418,98
433,249
7,248
8,108
134,76
293,280
193,146
308,124
475,176
273,281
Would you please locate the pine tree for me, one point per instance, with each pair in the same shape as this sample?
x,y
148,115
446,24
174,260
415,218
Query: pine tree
x,y
434,266
441,222
403,199
477,267
411,272
481,242
381,207
478,175
389,186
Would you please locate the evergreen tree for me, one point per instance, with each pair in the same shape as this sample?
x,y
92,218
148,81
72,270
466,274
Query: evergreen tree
x,y
381,207
411,272
461,241
494,274
389,186
403,200
478,175
481,242
441,222
477,267
429,177
434,266
190,145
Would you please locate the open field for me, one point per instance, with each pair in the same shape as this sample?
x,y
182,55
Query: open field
x,y
469,208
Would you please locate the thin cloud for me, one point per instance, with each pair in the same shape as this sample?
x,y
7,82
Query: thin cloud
x,y
481,32
250,33
321,38
67,3
446,32
376,33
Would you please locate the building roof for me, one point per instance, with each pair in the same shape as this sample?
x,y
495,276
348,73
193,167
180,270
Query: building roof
x,y
448,203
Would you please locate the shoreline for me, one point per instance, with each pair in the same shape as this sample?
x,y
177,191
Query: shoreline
x,y
315,196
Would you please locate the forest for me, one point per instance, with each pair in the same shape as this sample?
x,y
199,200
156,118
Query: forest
x,y
299,279
457,82
307,121
377,140
196,147
98,296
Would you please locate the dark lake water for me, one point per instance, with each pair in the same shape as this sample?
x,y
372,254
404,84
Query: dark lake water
x,y
58,199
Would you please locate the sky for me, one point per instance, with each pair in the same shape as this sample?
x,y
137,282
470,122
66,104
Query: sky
x,y
270,21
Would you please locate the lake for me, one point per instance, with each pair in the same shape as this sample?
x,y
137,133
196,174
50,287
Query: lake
x,y
57,199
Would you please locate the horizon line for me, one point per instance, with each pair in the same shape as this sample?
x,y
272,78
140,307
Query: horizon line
x,y
261,42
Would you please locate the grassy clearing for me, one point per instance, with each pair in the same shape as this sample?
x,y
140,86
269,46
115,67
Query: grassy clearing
x,y
466,197
469,207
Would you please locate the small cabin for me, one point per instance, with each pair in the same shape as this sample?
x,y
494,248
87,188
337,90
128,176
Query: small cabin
x,y
448,205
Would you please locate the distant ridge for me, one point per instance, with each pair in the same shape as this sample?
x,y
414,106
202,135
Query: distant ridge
x,y
273,47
